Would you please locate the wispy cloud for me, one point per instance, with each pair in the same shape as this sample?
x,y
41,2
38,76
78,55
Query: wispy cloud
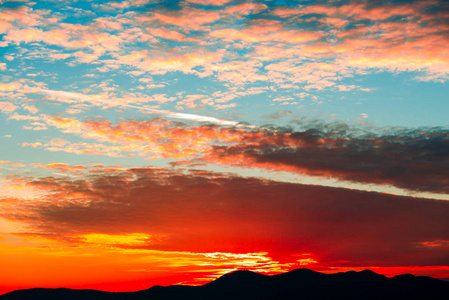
x,y
166,113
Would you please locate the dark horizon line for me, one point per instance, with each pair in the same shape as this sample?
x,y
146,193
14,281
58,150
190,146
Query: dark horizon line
x,y
228,274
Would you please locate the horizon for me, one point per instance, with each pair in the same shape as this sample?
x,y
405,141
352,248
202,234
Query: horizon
x,y
233,272
167,142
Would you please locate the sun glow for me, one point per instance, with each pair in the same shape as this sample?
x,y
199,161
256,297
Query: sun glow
x,y
130,239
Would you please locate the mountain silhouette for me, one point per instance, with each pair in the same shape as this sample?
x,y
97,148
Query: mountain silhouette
x,y
300,284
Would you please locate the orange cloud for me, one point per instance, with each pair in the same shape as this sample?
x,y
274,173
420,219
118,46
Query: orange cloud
x,y
23,16
16,116
7,107
245,8
257,34
387,43
190,19
156,138
92,149
12,86
4,162
61,167
34,145
169,34
357,10
209,2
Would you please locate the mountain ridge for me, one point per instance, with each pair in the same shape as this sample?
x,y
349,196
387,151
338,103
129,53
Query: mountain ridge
x,y
297,284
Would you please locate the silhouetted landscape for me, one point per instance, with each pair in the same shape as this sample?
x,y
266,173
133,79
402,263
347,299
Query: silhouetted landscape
x,y
297,284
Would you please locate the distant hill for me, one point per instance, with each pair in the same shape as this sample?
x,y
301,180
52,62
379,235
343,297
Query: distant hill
x,y
300,284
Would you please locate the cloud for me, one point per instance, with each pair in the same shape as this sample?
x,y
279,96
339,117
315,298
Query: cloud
x,y
151,139
12,86
159,63
400,37
23,16
189,18
390,41
209,2
408,159
7,107
87,148
61,167
232,214
274,33
5,162
377,11
184,116
36,126
16,116
169,34
34,145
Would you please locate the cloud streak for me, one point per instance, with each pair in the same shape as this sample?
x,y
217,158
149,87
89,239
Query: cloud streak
x,y
166,113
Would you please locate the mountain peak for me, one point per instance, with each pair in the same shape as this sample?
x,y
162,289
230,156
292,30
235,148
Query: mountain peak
x,y
239,276
362,276
404,277
243,273
371,273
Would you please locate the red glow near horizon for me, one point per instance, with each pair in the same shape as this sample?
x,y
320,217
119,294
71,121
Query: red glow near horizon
x,y
110,263
199,278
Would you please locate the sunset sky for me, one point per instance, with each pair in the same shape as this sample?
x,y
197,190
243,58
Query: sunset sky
x,y
153,142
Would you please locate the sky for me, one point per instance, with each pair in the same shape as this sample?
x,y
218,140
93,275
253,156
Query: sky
x,y
150,142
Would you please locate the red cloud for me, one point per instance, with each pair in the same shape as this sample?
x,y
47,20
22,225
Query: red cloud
x,y
207,212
